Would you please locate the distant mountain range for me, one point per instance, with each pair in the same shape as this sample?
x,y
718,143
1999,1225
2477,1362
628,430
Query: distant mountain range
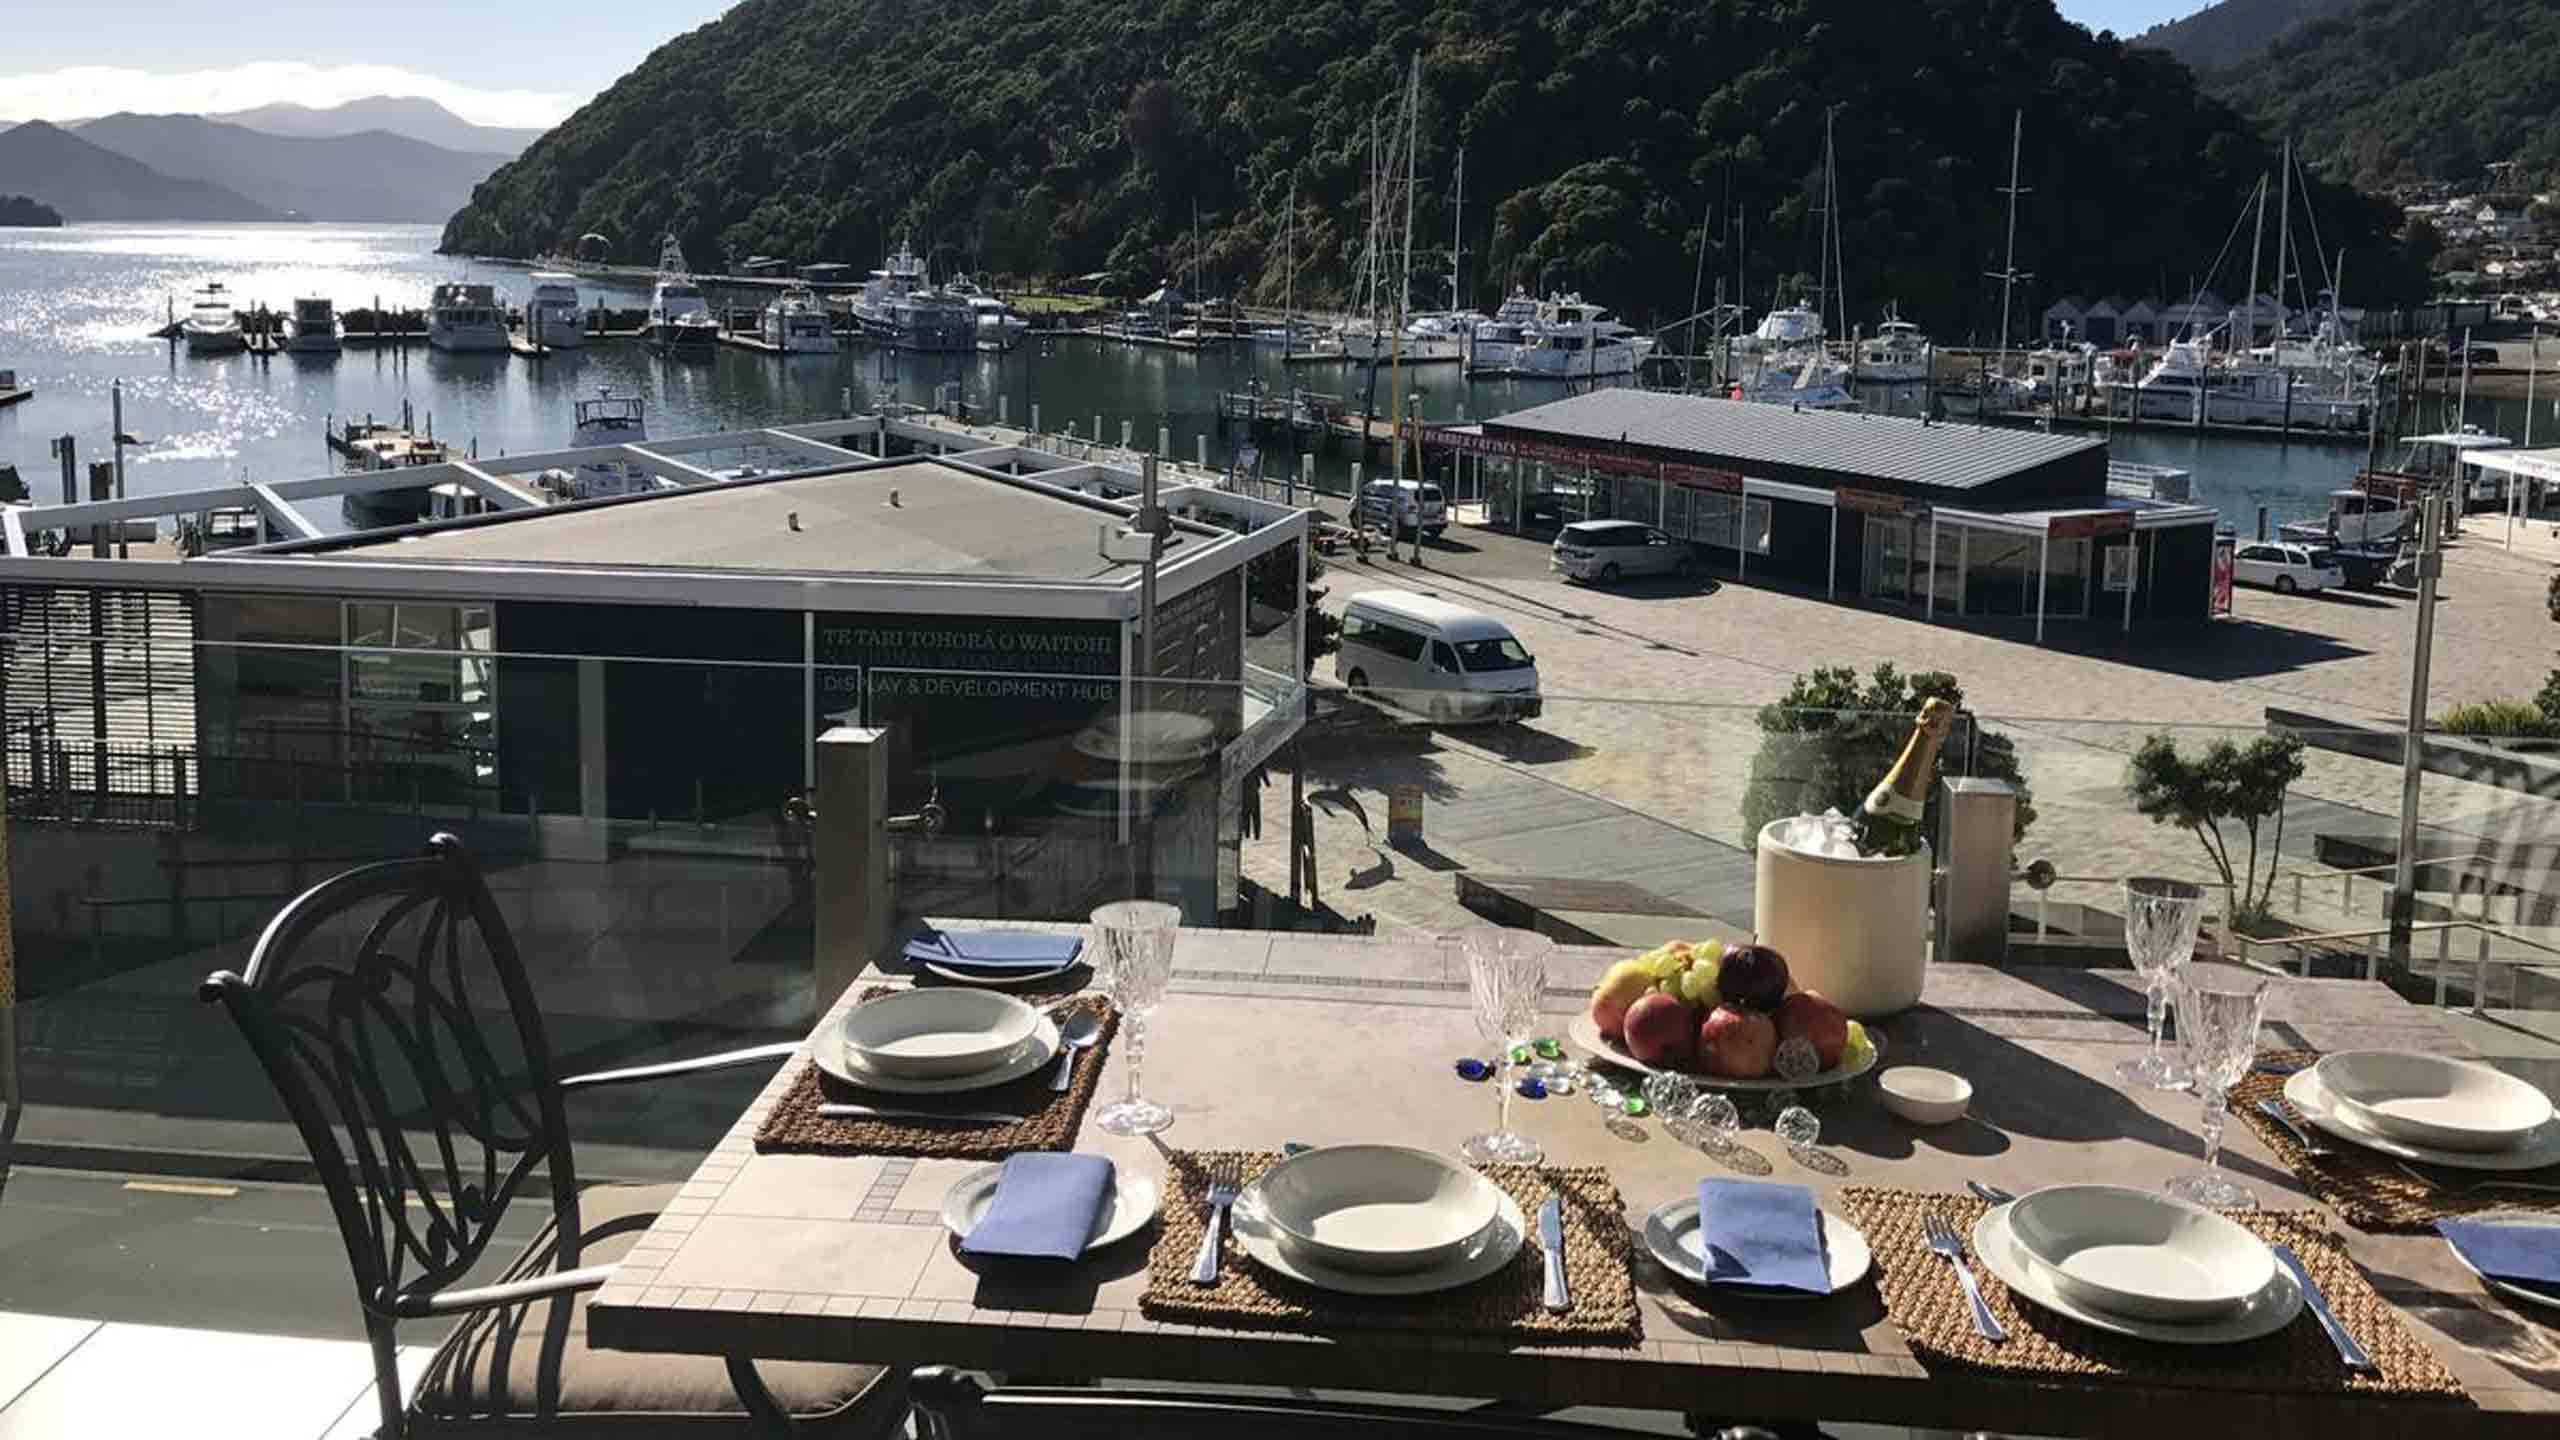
x,y
407,115
385,159
372,175
91,182
2230,32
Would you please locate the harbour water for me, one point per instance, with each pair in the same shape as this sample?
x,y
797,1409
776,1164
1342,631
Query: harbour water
x,y
77,306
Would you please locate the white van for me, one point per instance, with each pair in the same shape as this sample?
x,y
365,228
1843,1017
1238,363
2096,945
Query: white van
x,y
1403,505
1441,661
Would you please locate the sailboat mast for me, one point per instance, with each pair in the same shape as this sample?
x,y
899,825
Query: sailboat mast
x,y
1404,274
2257,244
1832,227
2009,265
2284,231
1289,275
1457,231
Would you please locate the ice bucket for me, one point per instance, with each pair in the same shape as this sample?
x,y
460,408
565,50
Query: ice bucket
x,y
1855,929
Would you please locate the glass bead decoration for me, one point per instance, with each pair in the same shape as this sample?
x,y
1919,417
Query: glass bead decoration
x,y
1548,1047
1636,1106
1472,1068
1800,1128
1532,1088
1714,1120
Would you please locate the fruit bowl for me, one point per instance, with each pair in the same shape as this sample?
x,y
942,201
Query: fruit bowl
x,y
1587,1037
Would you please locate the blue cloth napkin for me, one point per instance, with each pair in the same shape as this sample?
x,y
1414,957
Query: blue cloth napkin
x,y
2525,1256
1044,1207
994,949
1767,1236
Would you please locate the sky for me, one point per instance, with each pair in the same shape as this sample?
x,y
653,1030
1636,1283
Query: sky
x,y
492,62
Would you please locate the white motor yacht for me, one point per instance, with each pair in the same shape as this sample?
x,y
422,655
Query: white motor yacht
x,y
1783,328
608,419
2188,383
1000,326
1495,344
899,276
212,327
313,327
551,318
680,320
1897,354
1573,339
463,317
797,323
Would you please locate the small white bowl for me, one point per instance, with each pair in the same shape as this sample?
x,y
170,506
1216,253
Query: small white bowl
x,y
932,1034
1383,1209
2140,1253
1924,1096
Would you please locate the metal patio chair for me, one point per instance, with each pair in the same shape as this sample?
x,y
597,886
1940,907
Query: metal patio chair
x,y
391,1010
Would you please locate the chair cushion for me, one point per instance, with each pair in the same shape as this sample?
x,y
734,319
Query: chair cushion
x,y
527,1369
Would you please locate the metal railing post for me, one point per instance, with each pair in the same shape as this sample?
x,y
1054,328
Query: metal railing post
x,y
2480,977
2297,892
2444,961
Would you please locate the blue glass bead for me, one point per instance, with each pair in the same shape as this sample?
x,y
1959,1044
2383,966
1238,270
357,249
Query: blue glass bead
x,y
1532,1088
1472,1068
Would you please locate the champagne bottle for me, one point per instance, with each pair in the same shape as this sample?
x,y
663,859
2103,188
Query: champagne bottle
x,y
1889,822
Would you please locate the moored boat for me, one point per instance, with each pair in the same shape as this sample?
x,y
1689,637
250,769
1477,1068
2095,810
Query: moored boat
x,y
312,329
463,318
212,327
551,318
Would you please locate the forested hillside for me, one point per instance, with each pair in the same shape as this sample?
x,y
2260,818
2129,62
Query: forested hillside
x,y
2233,31
1033,137
2416,89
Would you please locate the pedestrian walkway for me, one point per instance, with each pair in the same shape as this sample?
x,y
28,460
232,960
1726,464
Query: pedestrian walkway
x,y
67,1377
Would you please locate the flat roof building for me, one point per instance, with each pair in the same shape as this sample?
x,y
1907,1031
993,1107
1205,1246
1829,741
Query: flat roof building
x,y
596,669
1969,520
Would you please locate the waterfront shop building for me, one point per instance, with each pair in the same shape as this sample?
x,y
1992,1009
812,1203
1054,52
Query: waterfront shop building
x,y
656,668
1958,522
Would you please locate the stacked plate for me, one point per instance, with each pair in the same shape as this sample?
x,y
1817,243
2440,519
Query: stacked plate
x,y
2138,1263
933,1042
2428,1108
1378,1220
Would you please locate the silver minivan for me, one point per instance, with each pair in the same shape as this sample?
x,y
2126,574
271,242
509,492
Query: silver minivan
x,y
1441,661
1401,505
1607,551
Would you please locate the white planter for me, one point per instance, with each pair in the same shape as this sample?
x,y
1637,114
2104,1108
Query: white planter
x,y
1855,929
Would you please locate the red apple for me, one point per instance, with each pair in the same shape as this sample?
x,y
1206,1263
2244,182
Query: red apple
x,y
1737,1044
1661,1030
1807,1014
1753,977
1626,981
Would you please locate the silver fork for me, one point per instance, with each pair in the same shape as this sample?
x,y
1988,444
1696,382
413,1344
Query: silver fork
x,y
2312,1149
1223,1186
2462,1186
1943,1241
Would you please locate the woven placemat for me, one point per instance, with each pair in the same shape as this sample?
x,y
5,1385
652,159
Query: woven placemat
x,y
2365,1186
1921,1295
1506,1303
1050,1121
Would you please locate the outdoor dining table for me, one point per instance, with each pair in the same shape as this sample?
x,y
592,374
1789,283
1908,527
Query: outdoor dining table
x,y
1269,1040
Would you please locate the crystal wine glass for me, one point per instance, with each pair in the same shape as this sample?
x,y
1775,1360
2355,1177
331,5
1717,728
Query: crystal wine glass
x,y
1506,974
2219,1007
1134,968
2160,920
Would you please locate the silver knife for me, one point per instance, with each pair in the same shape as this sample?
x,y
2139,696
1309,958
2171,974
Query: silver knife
x,y
1551,1240
2348,1350
956,1117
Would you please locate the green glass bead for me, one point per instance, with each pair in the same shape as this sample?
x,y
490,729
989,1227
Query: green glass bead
x,y
1520,1054
1547,1047
1636,1106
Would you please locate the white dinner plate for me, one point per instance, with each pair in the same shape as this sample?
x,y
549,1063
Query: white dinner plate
x,y
1379,1209
2264,1313
1582,1032
1037,1051
1132,1204
1672,1234
997,980
1490,1251
2432,1099
934,1033
2509,1217
2540,1148
2140,1252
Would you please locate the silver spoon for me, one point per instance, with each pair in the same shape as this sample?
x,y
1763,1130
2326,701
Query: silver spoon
x,y
1079,1033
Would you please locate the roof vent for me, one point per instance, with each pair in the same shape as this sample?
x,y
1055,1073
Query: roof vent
x,y
792,521
893,499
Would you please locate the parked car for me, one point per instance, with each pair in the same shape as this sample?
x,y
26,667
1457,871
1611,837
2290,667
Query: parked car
x,y
1404,504
1607,551
2284,568
1438,660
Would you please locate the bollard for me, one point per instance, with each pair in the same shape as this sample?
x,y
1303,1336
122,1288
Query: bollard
x,y
849,845
1035,417
1976,827
1200,451
1164,442
1125,429
1004,404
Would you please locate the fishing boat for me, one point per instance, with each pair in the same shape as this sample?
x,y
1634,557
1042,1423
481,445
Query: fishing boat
x,y
1573,339
607,419
463,318
680,320
312,329
212,327
999,326
1495,344
797,323
1897,354
551,318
